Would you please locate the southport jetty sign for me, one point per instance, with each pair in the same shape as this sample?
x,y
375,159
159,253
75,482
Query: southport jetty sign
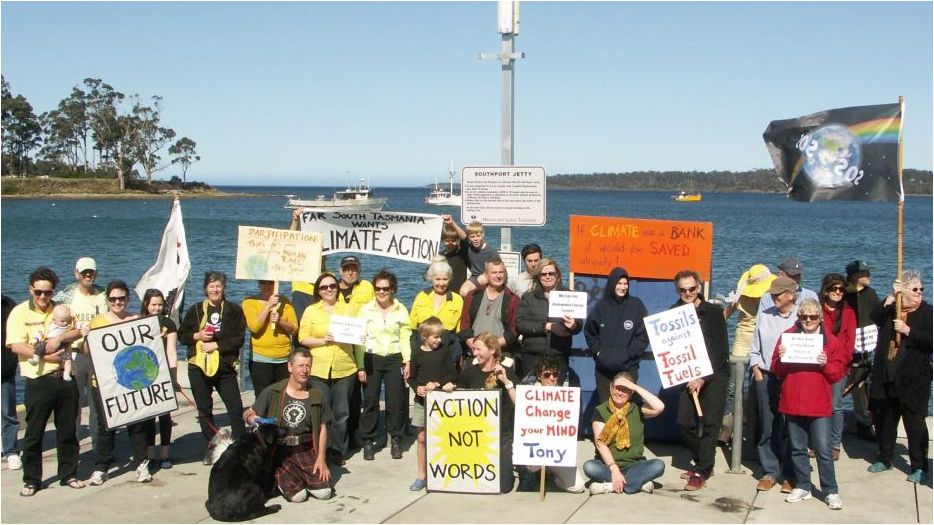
x,y
407,236
503,195
462,441
132,371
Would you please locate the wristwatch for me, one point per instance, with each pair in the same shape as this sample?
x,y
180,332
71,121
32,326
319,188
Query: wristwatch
x,y
509,385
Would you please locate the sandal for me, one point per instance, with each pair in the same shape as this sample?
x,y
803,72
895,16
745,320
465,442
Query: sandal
x,y
28,491
75,483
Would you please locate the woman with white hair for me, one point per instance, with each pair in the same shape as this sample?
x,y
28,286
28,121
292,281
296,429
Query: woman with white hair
x,y
439,301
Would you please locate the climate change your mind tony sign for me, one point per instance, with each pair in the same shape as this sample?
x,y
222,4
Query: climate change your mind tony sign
x,y
462,441
278,255
132,371
407,236
545,432
678,345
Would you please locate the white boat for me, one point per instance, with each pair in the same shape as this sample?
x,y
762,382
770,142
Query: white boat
x,y
442,197
354,198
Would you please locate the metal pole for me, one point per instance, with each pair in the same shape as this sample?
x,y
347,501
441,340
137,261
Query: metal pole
x,y
508,112
739,373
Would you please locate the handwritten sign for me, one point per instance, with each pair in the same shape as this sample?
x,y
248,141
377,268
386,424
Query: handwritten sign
x,y
513,262
653,249
407,236
802,348
132,371
278,255
504,195
678,345
866,339
564,302
347,329
545,431
462,441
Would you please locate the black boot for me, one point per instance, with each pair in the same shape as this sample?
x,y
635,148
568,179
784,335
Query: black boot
x,y
395,447
369,450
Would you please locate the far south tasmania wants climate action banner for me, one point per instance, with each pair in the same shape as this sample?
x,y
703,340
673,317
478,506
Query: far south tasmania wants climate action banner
x,y
847,153
407,236
132,371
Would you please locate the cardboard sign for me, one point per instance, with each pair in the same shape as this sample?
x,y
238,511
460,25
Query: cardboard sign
x,y
866,339
678,345
565,302
462,441
513,262
503,195
802,348
278,255
650,249
347,329
132,371
545,431
407,236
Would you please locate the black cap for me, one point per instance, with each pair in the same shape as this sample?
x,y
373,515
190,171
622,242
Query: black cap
x,y
856,267
350,259
791,266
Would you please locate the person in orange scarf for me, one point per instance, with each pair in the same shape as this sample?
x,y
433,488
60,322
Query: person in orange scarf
x,y
618,428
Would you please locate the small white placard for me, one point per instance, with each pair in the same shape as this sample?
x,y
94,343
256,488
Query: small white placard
x,y
564,302
802,348
866,339
347,329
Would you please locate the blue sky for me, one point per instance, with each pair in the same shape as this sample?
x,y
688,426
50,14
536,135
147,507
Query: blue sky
x,y
305,93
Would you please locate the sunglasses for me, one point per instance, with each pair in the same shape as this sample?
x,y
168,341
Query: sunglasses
x,y
383,288
918,290
114,299
549,375
327,286
836,288
88,273
548,274
43,293
806,317
351,269
687,290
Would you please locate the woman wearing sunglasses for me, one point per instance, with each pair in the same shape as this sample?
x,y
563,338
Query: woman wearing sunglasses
x,y
335,366
839,320
806,402
386,364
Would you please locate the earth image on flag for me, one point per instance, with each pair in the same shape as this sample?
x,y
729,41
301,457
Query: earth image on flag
x,y
837,149
136,367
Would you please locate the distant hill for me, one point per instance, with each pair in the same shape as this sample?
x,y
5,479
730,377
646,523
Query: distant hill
x,y
917,182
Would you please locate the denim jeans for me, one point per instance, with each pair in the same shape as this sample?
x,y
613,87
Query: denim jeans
x,y
337,394
637,474
800,428
772,447
10,421
836,420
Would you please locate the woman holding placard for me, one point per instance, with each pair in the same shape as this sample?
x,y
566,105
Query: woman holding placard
x,y
806,402
271,320
840,320
543,336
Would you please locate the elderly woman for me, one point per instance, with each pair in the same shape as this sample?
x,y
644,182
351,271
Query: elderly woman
x,y
543,336
335,367
272,322
901,375
213,330
806,402
619,439
439,301
840,320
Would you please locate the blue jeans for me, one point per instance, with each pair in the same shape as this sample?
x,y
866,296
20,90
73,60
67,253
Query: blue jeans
x,y
800,428
337,393
10,421
836,423
773,449
637,474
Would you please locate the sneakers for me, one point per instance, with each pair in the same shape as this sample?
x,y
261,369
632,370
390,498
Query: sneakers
x,y
788,486
801,495
834,502
418,485
648,488
14,462
166,463
395,447
601,488
766,483
695,482
687,474
142,473
878,466
98,477
917,476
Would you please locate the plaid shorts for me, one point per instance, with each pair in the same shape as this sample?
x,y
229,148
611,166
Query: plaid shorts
x,y
296,470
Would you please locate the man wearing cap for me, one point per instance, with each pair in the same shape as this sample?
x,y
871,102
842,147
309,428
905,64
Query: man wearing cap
x,y
864,301
790,267
86,301
770,324
356,292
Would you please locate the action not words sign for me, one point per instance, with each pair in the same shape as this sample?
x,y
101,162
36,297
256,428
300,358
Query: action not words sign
x,y
678,345
462,441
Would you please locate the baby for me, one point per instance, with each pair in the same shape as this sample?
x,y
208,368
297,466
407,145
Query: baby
x,y
61,323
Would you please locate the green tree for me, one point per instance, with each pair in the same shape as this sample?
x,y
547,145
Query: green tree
x,y
150,137
185,154
21,130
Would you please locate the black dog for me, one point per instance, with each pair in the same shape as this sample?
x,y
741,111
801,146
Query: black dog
x,y
242,477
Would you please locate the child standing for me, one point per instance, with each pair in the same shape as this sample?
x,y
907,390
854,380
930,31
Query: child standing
x,y
432,367
61,323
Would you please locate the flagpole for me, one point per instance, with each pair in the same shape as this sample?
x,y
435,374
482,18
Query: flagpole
x,y
901,227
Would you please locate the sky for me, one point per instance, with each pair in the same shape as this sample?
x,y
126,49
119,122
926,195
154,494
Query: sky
x,y
321,93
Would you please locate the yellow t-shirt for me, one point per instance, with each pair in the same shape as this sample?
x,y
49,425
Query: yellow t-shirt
x,y
84,308
424,307
335,360
28,325
264,340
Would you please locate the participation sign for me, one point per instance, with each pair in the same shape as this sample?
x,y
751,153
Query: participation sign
x,y
802,348
278,255
678,345
545,431
347,329
407,236
565,302
132,371
462,441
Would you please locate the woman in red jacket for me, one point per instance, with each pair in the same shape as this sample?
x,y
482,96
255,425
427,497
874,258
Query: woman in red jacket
x,y
806,402
839,320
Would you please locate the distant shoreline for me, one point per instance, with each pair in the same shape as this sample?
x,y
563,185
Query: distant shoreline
x,y
132,196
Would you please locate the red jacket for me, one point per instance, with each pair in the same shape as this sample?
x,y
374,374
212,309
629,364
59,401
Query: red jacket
x,y
847,334
806,388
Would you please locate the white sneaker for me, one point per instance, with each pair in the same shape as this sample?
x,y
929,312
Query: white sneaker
x,y
601,488
648,488
798,495
834,502
14,462
142,473
98,477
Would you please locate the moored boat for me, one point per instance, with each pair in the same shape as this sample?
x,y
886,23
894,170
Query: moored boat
x,y
354,198
687,197
442,197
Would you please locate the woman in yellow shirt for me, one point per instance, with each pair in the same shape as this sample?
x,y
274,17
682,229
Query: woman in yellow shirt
x,y
438,301
272,322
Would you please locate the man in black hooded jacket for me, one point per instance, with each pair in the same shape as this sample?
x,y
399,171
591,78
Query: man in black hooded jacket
x,y
615,332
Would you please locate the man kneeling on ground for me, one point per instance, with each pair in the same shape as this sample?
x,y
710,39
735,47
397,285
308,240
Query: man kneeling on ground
x,y
299,458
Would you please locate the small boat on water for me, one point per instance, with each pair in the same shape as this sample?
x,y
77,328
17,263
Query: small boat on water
x,y
687,197
442,197
354,198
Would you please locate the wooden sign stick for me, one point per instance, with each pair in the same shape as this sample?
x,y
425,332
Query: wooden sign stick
x,y
541,487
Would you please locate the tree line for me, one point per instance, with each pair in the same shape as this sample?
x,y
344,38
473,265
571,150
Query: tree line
x,y
96,131
917,182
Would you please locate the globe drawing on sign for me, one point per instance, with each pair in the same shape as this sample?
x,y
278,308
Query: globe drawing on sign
x,y
136,367
837,149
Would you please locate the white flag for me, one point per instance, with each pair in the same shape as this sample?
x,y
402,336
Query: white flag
x,y
172,265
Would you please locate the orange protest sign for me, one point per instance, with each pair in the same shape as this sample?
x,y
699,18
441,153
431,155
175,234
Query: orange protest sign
x,y
647,248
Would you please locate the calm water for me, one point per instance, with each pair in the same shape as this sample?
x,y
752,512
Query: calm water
x,y
123,236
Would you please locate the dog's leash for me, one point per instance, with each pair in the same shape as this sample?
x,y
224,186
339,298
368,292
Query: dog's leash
x,y
200,414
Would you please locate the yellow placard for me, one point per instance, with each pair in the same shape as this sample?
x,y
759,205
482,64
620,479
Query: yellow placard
x,y
278,255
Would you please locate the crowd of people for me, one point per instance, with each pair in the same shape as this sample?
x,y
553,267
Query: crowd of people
x,y
474,327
